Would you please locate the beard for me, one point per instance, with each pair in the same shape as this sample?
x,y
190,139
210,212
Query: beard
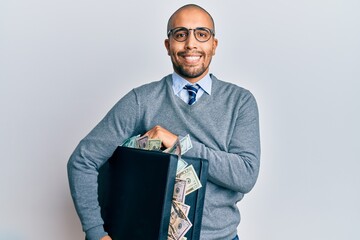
x,y
189,71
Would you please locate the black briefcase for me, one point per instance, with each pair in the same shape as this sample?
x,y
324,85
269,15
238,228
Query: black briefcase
x,y
135,189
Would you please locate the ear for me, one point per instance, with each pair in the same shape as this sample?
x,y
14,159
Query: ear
x,y
215,44
167,46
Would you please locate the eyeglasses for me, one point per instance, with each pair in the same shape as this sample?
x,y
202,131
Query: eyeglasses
x,y
202,34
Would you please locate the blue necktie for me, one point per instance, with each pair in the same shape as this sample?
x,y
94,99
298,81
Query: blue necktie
x,y
192,90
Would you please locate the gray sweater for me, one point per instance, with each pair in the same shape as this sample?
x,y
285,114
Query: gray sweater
x,y
224,129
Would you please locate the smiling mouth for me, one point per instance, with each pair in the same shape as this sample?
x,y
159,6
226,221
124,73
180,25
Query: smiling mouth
x,y
192,59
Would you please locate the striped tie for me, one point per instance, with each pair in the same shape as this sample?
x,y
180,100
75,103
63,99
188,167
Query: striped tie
x,y
192,90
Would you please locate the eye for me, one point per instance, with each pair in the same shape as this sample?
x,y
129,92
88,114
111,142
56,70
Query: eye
x,y
180,34
202,34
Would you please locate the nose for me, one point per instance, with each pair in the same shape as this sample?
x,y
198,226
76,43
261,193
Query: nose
x,y
191,41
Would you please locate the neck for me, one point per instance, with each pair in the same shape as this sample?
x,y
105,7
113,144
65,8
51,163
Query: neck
x,y
194,79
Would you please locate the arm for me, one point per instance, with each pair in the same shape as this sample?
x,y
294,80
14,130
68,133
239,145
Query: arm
x,y
236,168
91,153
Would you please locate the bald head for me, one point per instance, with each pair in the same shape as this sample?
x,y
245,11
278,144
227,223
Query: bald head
x,y
187,7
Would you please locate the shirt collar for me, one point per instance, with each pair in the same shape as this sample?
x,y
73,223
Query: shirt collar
x,y
179,82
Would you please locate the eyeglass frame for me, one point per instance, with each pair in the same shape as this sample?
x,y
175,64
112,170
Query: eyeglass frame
x,y
212,32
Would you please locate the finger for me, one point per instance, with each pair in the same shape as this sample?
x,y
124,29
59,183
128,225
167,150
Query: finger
x,y
151,134
148,133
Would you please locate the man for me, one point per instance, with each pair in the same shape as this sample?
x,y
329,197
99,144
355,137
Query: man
x,y
221,118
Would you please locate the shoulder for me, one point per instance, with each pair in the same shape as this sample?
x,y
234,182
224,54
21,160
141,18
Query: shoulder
x,y
237,98
141,94
229,90
153,88
149,93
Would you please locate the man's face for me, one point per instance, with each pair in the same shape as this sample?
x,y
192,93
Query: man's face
x,y
191,58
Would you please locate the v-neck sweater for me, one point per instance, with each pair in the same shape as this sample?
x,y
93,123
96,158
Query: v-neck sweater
x,y
224,129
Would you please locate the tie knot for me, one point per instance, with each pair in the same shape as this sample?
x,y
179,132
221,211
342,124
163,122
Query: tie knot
x,y
192,90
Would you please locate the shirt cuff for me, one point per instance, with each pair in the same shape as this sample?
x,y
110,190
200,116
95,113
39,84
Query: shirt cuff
x,y
95,233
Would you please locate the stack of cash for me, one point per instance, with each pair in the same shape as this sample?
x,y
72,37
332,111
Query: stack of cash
x,y
186,181
143,142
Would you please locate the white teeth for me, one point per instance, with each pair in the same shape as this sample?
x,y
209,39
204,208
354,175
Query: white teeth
x,y
192,58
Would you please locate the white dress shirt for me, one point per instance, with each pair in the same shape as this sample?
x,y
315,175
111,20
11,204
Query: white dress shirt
x,y
179,84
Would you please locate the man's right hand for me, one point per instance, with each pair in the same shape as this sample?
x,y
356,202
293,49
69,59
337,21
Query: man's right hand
x,y
106,238
168,138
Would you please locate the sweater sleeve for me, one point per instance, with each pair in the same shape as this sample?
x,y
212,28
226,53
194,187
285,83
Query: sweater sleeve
x,y
236,168
91,153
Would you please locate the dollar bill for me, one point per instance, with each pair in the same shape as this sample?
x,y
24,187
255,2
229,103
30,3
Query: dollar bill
x,y
179,222
142,142
184,207
175,149
179,190
154,144
192,181
181,164
170,235
131,142
185,144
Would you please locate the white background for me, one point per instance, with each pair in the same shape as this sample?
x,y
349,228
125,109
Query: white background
x,y
64,64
